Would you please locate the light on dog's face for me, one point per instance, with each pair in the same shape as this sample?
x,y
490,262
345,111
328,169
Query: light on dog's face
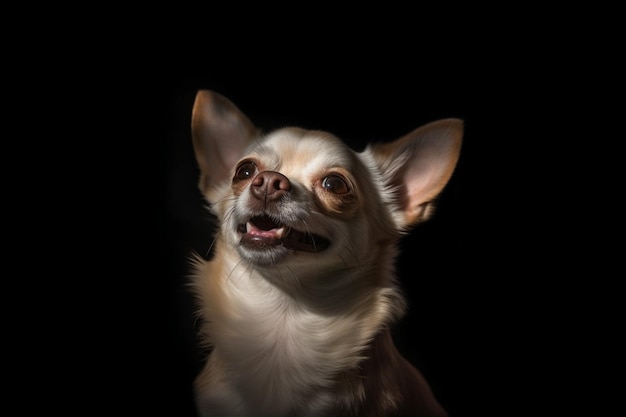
x,y
293,193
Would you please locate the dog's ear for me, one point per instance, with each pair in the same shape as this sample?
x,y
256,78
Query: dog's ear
x,y
417,167
220,133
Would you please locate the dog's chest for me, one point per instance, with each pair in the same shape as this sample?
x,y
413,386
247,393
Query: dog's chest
x,y
268,333
279,352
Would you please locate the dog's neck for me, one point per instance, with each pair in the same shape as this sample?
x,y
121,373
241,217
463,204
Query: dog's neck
x,y
299,334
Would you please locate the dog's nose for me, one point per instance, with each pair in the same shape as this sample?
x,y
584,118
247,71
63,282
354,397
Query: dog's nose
x,y
270,186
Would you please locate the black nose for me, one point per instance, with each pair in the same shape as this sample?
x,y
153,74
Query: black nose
x,y
270,186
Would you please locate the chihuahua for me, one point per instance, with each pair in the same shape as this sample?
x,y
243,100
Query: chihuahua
x,y
298,296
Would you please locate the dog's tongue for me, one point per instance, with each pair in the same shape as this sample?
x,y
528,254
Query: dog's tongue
x,y
263,231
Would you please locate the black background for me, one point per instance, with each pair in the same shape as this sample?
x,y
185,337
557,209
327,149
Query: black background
x,y
504,290
100,188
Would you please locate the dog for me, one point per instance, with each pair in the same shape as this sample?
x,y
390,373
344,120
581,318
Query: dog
x,y
297,299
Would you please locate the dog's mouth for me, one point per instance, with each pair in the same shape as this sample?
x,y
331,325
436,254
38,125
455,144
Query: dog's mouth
x,y
262,231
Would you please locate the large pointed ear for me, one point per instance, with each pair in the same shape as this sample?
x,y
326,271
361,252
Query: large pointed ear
x,y
220,133
417,167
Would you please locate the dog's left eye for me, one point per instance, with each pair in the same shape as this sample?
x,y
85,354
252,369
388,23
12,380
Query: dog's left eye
x,y
245,170
335,184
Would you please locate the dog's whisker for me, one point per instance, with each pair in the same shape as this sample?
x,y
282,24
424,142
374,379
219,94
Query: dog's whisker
x,y
350,248
247,267
295,277
210,248
227,216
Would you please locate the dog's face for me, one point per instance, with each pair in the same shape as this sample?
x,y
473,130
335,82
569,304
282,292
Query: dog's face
x,y
294,194
304,199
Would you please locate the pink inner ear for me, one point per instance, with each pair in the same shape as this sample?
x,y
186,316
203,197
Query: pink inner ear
x,y
220,133
427,178
224,149
430,154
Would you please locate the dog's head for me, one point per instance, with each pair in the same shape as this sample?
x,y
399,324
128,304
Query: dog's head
x,y
303,198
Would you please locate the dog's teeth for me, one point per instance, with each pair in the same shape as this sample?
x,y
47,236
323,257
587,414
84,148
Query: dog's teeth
x,y
279,232
248,227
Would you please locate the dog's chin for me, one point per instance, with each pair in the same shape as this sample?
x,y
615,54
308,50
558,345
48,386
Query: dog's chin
x,y
264,240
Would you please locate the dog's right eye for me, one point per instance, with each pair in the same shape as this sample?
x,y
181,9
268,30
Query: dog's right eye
x,y
335,184
245,170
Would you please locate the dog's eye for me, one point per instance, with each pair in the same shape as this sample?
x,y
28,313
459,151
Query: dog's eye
x,y
335,184
245,170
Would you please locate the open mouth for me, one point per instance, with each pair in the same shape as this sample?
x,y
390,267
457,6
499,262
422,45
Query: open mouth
x,y
263,231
